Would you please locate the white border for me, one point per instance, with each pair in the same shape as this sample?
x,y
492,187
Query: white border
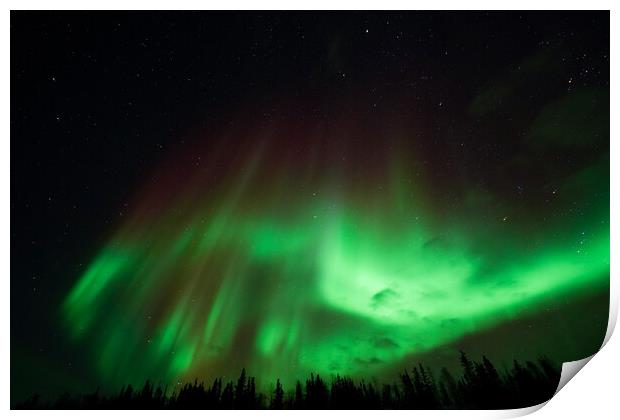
x,y
593,394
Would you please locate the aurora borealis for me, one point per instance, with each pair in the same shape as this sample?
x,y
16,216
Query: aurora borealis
x,y
269,261
340,229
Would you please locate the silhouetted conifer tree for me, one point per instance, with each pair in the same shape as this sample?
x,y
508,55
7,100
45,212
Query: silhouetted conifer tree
x,y
299,397
228,396
278,397
451,387
240,389
480,385
408,399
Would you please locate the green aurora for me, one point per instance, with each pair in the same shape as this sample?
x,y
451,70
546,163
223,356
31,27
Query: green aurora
x,y
284,268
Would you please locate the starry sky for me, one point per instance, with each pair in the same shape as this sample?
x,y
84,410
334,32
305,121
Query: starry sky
x,y
335,192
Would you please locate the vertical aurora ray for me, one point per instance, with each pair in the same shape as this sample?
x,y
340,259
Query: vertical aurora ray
x,y
281,259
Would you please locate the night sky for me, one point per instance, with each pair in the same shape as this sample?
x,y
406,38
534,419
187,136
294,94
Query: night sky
x,y
193,193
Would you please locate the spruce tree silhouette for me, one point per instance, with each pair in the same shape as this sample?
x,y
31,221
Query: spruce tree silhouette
x,y
240,390
299,397
316,393
228,396
409,396
277,401
480,386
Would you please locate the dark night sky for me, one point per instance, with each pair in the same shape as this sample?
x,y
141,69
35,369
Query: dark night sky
x,y
100,100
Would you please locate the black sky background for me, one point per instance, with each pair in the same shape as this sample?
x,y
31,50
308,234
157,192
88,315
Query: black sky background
x,y
97,99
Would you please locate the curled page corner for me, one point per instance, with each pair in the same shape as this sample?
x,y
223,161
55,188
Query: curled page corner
x,y
569,370
519,412
613,313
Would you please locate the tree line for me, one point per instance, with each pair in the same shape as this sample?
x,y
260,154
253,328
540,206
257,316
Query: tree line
x,y
479,386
